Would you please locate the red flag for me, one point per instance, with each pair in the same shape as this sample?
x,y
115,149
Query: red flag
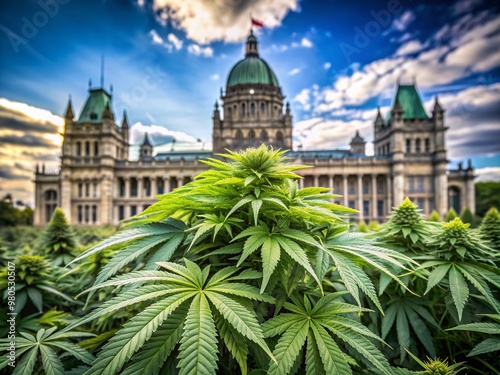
x,y
257,23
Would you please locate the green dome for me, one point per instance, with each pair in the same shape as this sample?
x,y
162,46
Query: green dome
x,y
251,70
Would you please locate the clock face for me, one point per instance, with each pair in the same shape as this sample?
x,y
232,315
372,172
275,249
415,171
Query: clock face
x,y
251,91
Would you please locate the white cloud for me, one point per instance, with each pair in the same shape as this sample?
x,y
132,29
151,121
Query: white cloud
x,y
177,43
207,21
306,43
198,50
294,71
155,37
327,65
138,129
304,98
487,174
214,77
403,21
410,47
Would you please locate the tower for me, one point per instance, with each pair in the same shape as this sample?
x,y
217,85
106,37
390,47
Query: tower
x,y
252,106
146,152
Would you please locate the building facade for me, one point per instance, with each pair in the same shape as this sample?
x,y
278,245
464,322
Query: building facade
x,y
99,184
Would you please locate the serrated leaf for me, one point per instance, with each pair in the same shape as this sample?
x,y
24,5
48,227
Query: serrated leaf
x,y
288,348
270,257
486,346
331,355
436,276
459,290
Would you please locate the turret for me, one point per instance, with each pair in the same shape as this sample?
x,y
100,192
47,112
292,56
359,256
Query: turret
x,y
107,113
146,148
358,144
216,118
379,121
252,46
437,113
69,115
397,112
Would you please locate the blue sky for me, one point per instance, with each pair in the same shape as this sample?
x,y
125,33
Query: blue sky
x,y
168,59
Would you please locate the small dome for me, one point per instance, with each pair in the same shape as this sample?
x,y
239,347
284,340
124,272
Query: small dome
x,y
251,70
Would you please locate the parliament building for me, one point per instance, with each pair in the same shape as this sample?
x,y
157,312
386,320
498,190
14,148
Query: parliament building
x,y
98,183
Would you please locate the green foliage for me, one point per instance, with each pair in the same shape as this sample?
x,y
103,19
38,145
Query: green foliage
x,y
487,196
216,259
58,241
362,227
44,351
491,344
490,228
373,226
11,216
467,217
451,214
461,255
438,367
435,216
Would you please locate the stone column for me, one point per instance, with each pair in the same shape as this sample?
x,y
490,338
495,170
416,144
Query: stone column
x,y
105,212
65,196
330,181
360,196
471,194
399,186
389,194
127,187
153,186
374,213
139,187
166,185
316,180
345,189
180,181
441,193
301,183
126,212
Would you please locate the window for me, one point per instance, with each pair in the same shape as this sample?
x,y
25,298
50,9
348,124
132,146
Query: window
x,y
87,189
411,184
133,187
147,187
242,109
121,212
252,109
279,137
94,193
408,146
380,208
262,108
239,136
96,148
94,214
80,190
417,146
121,188
351,188
263,136
420,184
133,210
160,186
431,205
427,145
86,214
87,148
366,187
366,208
78,148
380,187
352,204
251,135
421,203
80,213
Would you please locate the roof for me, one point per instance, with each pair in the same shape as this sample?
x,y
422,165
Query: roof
x,y
146,141
252,70
358,138
409,99
94,106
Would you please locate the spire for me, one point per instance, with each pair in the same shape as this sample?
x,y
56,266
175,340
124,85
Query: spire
x,y
397,106
287,108
252,46
146,141
358,138
69,114
125,120
437,106
216,105
379,120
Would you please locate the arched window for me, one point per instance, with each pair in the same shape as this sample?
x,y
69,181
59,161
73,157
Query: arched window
x,y
87,148
262,108
78,148
417,146
252,109
263,136
251,135
228,111
96,148
239,136
50,198
243,109
279,137
454,198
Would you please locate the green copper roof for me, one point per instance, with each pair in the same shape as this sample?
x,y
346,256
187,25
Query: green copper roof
x,y
410,101
251,69
94,106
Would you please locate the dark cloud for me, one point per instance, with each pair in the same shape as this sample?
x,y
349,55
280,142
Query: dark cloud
x,y
8,173
14,120
26,140
40,157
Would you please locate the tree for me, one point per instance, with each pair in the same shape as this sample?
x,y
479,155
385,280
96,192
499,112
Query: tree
x,y
490,228
467,217
236,256
58,241
434,216
450,215
487,196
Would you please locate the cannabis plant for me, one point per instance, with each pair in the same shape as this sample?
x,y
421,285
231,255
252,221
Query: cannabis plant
x,y
221,265
434,216
451,214
490,228
42,353
58,241
491,344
